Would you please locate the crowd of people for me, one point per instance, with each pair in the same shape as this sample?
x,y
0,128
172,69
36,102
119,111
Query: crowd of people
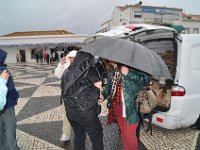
x,y
42,57
45,57
82,89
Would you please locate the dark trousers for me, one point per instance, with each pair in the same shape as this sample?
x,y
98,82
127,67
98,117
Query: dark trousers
x,y
87,124
8,130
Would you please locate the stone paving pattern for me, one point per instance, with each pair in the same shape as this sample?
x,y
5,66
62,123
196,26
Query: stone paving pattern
x,y
39,118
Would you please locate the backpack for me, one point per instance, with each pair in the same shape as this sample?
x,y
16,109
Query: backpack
x,y
77,82
155,97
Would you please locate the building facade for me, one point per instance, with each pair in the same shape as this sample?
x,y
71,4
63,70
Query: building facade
x,y
191,23
131,14
27,44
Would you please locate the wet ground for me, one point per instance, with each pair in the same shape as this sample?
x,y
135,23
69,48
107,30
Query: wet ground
x,y
39,118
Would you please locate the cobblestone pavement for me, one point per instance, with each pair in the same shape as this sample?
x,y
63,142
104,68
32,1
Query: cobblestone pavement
x,y
39,118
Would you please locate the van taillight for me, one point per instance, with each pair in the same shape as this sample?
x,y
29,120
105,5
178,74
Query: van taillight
x,y
178,91
158,119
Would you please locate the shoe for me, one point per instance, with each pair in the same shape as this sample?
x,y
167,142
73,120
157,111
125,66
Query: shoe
x,y
64,138
64,141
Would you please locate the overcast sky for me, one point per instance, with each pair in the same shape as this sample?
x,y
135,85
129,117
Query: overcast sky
x,y
78,16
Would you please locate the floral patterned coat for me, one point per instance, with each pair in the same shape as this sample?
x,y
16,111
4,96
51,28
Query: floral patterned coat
x,y
134,81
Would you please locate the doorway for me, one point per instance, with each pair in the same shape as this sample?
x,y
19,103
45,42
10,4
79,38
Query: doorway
x,y
23,55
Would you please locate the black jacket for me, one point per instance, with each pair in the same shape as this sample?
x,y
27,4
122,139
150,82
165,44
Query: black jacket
x,y
77,84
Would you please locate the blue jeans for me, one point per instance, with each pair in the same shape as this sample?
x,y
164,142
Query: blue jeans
x,y
8,130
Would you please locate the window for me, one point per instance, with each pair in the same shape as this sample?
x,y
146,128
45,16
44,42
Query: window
x,y
195,30
187,30
138,14
175,17
158,20
33,53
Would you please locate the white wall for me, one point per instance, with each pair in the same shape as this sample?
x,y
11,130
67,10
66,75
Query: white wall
x,y
191,26
116,17
12,51
11,56
106,25
128,16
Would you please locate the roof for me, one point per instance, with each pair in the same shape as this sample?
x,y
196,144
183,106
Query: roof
x,y
44,40
164,7
106,22
195,16
191,17
184,15
122,7
38,33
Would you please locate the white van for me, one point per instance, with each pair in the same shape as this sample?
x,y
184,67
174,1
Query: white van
x,y
184,66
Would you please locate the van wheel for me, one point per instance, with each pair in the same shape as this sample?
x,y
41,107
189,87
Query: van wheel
x,y
198,123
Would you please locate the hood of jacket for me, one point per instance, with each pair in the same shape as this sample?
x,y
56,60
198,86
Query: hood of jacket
x,y
81,57
77,84
3,56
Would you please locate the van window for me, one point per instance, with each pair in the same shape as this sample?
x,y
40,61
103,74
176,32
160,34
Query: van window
x,y
164,48
159,46
162,42
195,61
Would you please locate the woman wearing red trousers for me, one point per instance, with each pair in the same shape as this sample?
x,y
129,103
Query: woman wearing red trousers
x,y
123,85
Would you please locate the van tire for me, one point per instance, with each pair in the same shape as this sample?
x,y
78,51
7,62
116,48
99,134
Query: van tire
x,y
198,123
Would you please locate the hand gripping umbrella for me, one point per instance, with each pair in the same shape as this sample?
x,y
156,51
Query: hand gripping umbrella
x,y
127,52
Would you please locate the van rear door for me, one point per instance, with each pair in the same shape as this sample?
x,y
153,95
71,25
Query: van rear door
x,y
160,39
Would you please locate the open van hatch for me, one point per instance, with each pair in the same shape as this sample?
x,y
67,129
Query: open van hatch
x,y
162,40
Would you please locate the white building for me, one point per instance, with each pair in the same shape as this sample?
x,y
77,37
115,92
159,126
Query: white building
x,y
131,14
191,23
27,44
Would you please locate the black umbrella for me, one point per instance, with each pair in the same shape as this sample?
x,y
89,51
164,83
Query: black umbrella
x,y
128,53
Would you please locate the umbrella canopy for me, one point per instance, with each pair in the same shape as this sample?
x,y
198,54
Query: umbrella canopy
x,y
128,53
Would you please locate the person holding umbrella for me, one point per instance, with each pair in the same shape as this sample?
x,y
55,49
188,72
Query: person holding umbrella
x,y
132,64
123,85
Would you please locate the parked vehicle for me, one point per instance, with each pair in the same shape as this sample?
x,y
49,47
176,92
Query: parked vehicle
x,y
181,54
